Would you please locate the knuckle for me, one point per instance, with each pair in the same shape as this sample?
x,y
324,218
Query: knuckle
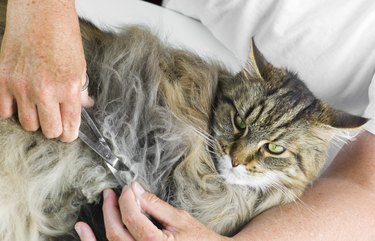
x,y
128,219
19,86
151,237
5,113
28,122
4,72
68,137
3,84
76,86
113,234
183,214
3,78
70,129
43,96
51,133
71,121
7,105
30,126
152,198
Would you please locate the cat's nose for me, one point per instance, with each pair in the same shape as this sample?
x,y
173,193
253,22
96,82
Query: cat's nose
x,y
235,162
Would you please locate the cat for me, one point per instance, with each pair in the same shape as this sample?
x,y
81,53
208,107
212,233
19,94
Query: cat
x,y
223,146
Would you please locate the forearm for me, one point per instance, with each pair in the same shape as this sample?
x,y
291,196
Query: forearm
x,y
356,162
340,205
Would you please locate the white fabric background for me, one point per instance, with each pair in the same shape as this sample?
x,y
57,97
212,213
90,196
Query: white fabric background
x,y
330,43
172,27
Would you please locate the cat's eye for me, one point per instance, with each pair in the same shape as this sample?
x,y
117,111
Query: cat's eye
x,y
239,122
274,148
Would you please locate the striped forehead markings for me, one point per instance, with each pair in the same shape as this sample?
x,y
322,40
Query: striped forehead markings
x,y
298,104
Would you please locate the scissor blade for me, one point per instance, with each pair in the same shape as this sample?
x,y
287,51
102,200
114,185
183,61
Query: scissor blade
x,y
95,146
112,161
85,115
116,174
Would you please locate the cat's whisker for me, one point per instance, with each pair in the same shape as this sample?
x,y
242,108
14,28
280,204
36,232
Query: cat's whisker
x,y
204,134
210,141
338,142
280,187
293,197
343,137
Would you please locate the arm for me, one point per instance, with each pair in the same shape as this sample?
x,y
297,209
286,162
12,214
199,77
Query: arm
x,y
42,67
340,206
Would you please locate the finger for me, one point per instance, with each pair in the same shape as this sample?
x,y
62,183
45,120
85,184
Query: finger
x,y
86,100
27,111
50,119
114,227
71,120
136,222
157,208
28,115
7,107
84,232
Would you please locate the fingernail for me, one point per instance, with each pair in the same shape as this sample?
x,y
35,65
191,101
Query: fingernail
x,y
138,189
78,229
105,194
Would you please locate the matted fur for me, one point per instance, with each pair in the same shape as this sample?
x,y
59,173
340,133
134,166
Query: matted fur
x,y
169,117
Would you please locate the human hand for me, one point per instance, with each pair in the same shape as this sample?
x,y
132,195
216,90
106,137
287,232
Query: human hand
x,y
42,67
125,220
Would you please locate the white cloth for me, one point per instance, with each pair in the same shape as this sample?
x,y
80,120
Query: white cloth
x,y
330,43
175,28
370,110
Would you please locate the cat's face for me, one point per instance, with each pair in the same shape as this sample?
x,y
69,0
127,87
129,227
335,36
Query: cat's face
x,y
270,130
263,134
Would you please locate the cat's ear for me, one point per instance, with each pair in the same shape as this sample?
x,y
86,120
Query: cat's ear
x,y
258,66
340,119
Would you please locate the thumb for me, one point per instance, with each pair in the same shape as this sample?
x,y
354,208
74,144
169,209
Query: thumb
x,y
84,232
157,208
86,100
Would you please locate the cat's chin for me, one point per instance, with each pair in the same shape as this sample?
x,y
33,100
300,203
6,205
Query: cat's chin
x,y
240,176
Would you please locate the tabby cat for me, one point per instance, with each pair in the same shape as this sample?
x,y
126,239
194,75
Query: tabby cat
x,y
219,145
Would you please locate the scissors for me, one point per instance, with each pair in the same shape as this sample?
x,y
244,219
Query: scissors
x,y
98,144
